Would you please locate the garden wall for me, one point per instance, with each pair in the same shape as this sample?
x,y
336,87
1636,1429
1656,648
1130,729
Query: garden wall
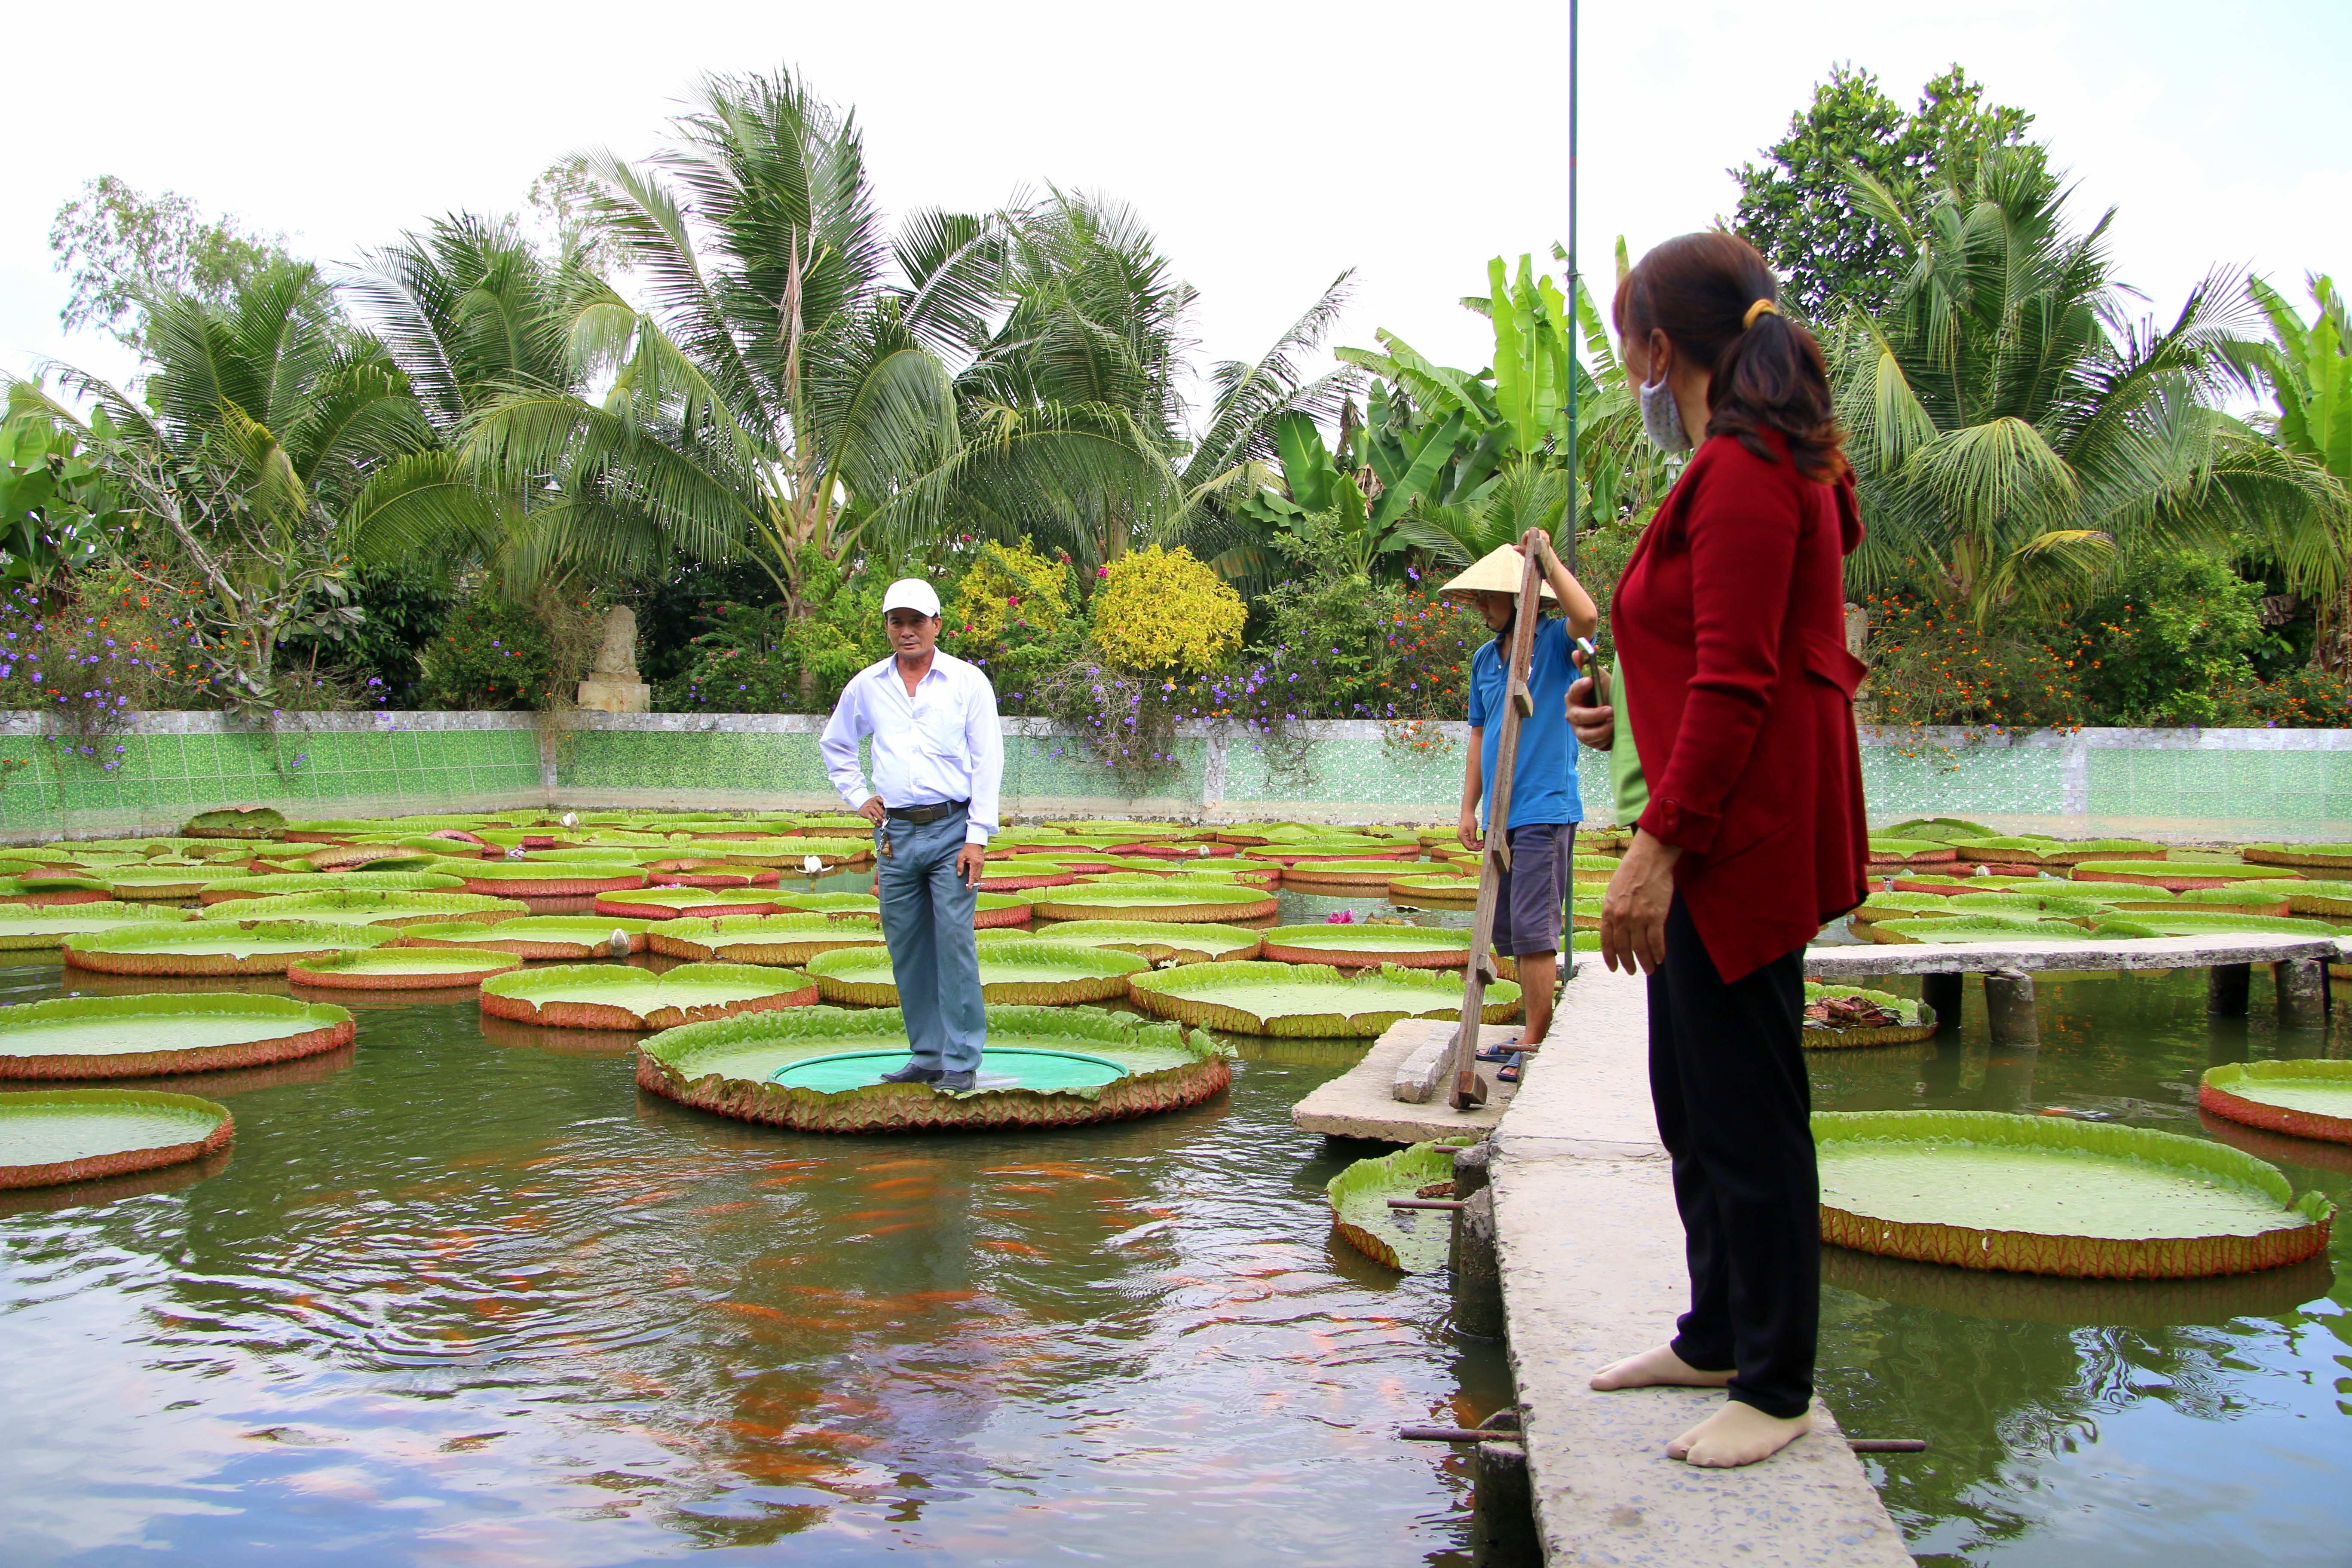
x,y
2176,783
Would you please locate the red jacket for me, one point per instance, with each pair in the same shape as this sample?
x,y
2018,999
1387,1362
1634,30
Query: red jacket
x,y
1730,629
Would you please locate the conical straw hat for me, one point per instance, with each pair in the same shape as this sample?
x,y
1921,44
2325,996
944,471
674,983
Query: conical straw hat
x,y
1497,573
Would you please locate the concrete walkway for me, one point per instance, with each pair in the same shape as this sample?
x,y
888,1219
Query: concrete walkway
x,y
1593,1272
1359,1103
1852,960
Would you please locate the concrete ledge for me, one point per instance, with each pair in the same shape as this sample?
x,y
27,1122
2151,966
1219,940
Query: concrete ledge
x,y
1593,1272
1847,960
1358,1103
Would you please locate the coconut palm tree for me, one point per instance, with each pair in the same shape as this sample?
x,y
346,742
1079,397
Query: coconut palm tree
x,y
777,397
2013,428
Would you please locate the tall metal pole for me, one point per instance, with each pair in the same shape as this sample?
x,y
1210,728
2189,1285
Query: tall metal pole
x,y
1575,327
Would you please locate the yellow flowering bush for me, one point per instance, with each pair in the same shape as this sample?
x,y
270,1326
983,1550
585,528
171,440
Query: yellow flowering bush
x,y
1164,610
1010,589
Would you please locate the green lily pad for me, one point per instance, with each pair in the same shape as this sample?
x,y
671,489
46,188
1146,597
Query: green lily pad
x,y
54,1135
1309,1000
547,880
402,968
794,903
788,940
329,882
731,1066
1410,1241
535,936
2318,857
2306,1097
215,947
1913,1020
1342,873
621,996
1364,946
2049,906
32,928
1011,972
235,822
2317,898
1199,902
2179,875
1939,829
355,906
2054,1196
673,903
130,1036
1161,942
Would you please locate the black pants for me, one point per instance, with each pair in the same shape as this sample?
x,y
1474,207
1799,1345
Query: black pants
x,y
1727,1077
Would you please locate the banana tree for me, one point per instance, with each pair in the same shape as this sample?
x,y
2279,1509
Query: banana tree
x,y
1323,509
2308,370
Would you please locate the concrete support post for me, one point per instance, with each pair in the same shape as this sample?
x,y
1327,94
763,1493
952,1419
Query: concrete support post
x,y
1473,1169
1477,1270
1942,992
1503,1517
2009,1008
2226,985
2301,993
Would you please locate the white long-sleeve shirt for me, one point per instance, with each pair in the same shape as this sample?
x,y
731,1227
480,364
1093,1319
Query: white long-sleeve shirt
x,y
943,744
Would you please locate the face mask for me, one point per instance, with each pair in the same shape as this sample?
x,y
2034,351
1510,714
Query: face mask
x,y
1662,418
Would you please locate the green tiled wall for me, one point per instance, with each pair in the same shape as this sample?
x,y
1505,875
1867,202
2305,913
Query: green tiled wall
x,y
1929,780
2311,788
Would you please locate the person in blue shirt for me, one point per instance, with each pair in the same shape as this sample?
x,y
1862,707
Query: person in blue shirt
x,y
1545,805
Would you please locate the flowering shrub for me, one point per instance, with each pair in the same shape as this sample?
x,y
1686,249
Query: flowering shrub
x,y
488,655
1932,665
90,651
1164,611
1010,595
756,659
2298,700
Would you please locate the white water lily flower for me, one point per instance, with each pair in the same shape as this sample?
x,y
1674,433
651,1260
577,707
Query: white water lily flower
x,y
812,864
571,819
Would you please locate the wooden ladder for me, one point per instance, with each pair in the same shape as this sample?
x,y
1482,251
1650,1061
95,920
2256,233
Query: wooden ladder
x,y
1462,1069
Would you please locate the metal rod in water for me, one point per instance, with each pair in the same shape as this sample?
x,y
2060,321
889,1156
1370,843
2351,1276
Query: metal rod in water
x,y
1424,1202
1490,1434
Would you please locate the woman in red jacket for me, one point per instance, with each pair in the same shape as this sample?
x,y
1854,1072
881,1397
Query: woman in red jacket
x,y
1735,684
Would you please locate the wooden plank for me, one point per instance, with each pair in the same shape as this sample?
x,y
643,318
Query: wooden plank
x,y
1462,1075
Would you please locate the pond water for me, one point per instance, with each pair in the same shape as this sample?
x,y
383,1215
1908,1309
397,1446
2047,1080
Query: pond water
x,y
464,1295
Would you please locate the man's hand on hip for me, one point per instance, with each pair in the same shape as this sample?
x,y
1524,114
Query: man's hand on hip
x,y
972,864
872,810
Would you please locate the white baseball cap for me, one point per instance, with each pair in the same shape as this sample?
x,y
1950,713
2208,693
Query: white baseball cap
x,y
911,594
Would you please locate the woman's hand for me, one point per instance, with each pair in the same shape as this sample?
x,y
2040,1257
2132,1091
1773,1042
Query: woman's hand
x,y
1633,910
1468,830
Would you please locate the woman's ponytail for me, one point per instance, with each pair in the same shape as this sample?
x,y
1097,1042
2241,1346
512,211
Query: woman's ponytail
x,y
1718,303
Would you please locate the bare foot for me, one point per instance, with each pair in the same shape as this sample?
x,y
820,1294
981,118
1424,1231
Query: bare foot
x,y
1659,1368
1738,1435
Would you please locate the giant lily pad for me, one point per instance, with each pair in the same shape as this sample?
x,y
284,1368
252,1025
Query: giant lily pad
x,y
1023,873
130,1036
1011,971
2319,898
1999,928
28,928
2310,1097
1310,1000
794,854
166,883
2024,851
2037,1194
676,871
403,968
1196,902
291,882
215,947
2044,905
732,1067
675,904
1370,946
1840,1016
53,1135
1937,829
1160,942
790,940
1341,875
536,936
2318,857
1434,888
621,996
235,822
547,880
2176,876
1886,852
368,907
1411,1241
2243,899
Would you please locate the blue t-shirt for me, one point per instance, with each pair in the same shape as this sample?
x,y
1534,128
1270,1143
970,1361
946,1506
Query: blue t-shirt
x,y
1543,788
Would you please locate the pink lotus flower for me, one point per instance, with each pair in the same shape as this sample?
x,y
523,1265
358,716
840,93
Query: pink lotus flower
x,y
1343,918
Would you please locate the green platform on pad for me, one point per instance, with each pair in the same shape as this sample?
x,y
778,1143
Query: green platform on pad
x,y
1044,1071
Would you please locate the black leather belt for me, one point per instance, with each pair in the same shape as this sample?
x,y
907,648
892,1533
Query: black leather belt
x,y
924,813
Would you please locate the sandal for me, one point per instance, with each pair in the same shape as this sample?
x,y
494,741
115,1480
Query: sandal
x,y
1498,1053
1509,1071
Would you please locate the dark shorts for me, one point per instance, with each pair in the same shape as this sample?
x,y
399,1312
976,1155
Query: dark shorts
x,y
1532,901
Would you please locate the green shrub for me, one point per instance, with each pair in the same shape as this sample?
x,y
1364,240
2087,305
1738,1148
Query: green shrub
x,y
489,654
2174,631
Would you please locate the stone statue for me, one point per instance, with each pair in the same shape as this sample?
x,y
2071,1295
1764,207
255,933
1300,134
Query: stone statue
x,y
612,686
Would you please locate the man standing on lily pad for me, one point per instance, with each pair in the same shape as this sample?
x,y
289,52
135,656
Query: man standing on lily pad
x,y
1545,805
939,767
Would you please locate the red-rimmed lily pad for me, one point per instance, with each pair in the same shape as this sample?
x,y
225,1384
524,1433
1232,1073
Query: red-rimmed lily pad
x,y
675,904
1312,1001
2038,1194
1161,942
402,969
622,996
698,873
1433,888
1410,1241
1341,876
1195,901
54,1135
544,937
133,1037
2308,1097
1011,972
788,940
2176,876
331,882
1368,946
2316,856
547,878
356,906
215,947
30,928
1847,1016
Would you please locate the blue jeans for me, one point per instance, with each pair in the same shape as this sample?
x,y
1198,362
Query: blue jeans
x,y
926,915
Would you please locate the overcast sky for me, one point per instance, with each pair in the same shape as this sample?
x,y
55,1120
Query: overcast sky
x,y
1271,144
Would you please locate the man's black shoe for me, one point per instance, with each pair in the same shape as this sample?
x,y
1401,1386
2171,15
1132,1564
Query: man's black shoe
x,y
953,1083
911,1073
